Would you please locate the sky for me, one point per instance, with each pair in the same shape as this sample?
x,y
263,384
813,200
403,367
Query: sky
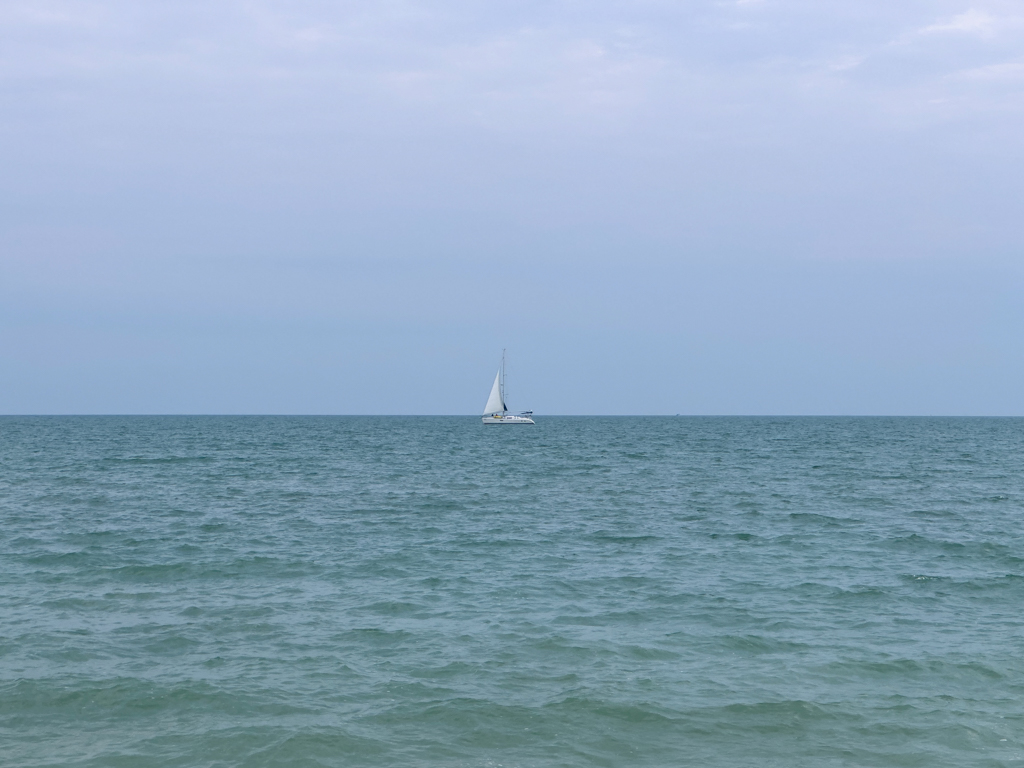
x,y
745,207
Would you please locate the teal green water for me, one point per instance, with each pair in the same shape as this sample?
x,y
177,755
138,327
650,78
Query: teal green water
x,y
258,591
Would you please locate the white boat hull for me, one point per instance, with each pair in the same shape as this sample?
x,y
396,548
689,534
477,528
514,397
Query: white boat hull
x,y
507,419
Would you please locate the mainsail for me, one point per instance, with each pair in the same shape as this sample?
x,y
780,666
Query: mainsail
x,y
494,402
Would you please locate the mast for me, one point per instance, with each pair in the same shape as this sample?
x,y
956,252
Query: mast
x,y
503,406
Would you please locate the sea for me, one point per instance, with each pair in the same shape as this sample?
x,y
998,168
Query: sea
x,y
429,591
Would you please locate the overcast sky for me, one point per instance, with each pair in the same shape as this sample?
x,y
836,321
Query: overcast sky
x,y
752,207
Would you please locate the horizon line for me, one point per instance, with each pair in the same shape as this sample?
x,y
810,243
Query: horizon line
x,y
543,416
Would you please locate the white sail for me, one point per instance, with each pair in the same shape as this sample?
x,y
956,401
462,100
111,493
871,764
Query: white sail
x,y
494,403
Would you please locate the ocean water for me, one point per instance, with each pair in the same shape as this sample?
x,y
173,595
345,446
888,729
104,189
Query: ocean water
x,y
255,591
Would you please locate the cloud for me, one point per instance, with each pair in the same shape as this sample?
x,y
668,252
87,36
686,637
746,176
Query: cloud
x,y
973,21
1006,71
845,63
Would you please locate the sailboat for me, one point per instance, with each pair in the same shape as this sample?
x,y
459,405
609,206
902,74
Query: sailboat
x,y
495,411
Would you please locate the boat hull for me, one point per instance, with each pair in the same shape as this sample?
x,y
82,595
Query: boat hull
x,y
507,420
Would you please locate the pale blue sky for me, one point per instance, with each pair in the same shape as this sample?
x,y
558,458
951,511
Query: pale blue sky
x,y
764,206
